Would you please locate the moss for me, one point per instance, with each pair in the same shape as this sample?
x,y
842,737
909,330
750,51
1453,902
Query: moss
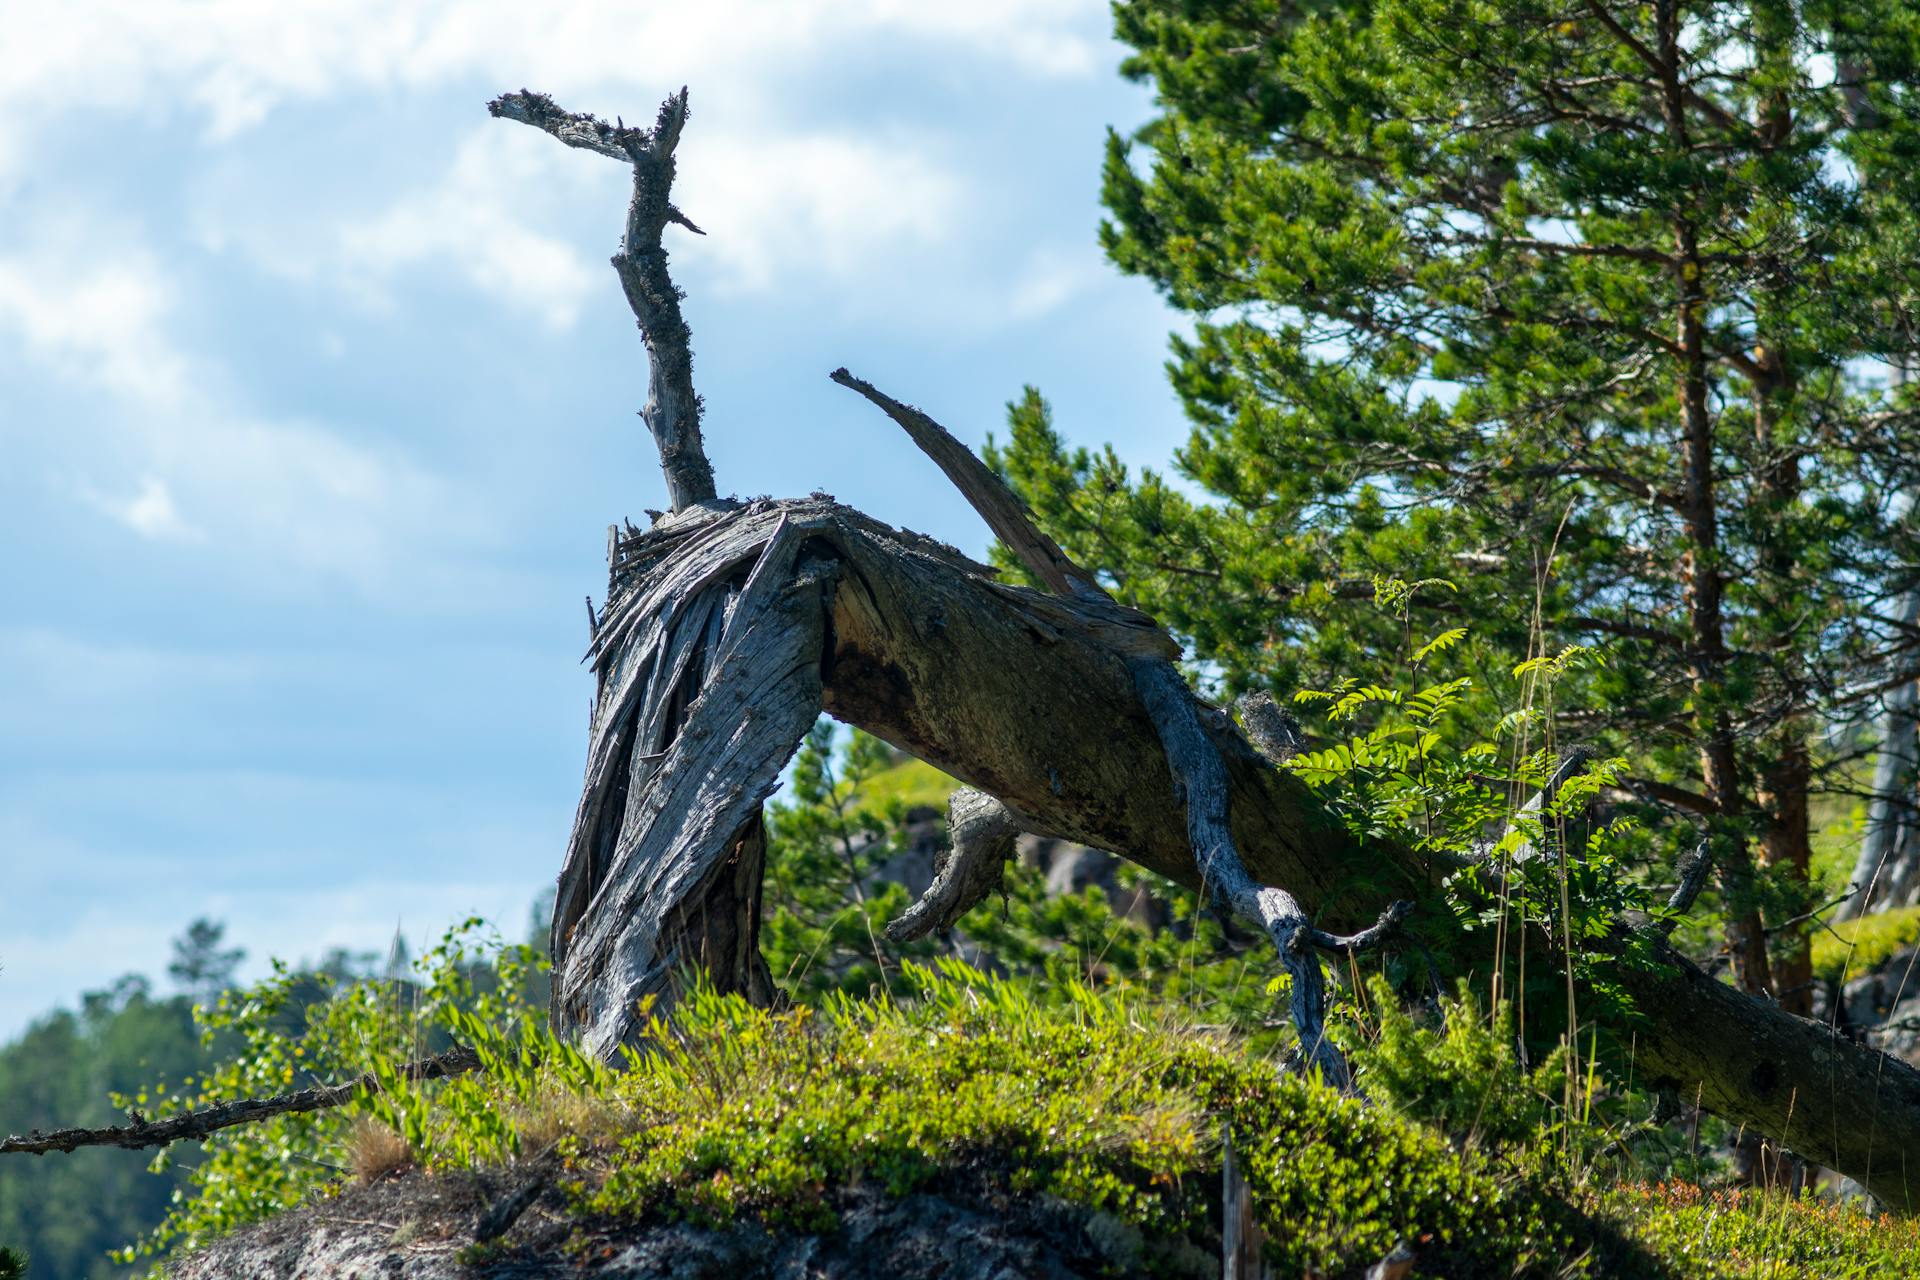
x,y
1858,946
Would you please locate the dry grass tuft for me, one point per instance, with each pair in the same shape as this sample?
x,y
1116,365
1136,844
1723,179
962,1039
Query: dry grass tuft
x,y
374,1150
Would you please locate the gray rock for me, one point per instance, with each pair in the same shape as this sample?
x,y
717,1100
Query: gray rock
x,y
419,1228
1860,1001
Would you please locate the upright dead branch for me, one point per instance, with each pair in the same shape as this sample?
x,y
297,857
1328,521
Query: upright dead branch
x,y
672,412
1199,775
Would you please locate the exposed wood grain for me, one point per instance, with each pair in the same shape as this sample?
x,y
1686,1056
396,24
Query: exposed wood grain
x,y
700,710
1241,1240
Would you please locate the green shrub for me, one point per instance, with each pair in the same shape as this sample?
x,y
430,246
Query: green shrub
x,y
1462,1076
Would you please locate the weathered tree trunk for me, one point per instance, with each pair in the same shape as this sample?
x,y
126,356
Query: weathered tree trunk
x,y
1887,873
708,655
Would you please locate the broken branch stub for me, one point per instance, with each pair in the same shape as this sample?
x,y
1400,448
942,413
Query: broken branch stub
x,y
981,834
672,412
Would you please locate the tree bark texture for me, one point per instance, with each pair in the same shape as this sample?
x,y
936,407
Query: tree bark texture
x,y
752,619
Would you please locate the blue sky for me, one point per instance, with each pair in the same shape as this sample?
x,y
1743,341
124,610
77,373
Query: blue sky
x,y
317,395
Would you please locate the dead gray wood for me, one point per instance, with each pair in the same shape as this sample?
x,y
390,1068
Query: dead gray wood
x,y
1273,731
672,412
191,1126
709,676
1200,786
1241,1239
981,835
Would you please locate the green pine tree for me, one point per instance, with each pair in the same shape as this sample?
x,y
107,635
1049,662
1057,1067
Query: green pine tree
x,y
1585,307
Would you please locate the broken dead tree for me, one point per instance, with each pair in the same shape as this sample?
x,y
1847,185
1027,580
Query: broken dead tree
x,y
1008,689
729,626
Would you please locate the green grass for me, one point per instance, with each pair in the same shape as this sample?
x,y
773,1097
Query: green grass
x,y
1767,1234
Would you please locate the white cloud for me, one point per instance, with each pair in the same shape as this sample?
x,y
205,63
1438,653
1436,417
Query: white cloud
x,y
93,313
175,456
780,196
817,205
1053,277
150,512
505,216
236,59
465,220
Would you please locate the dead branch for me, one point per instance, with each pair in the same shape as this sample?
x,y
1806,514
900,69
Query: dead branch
x,y
672,412
192,1126
985,492
981,833
1693,869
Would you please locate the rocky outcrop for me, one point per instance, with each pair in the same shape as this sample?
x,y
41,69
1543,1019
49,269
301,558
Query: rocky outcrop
x,y
416,1227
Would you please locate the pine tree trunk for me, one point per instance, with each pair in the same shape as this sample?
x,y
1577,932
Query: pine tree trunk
x,y
1786,845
